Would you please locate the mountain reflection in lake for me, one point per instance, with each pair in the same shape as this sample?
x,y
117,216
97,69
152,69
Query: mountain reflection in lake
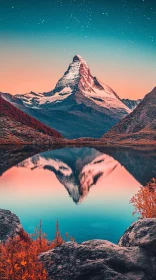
x,y
85,189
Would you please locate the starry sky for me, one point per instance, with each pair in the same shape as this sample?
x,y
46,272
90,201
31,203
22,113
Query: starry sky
x,y
117,38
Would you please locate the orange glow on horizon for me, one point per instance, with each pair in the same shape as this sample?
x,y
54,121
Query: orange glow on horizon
x,y
29,71
22,80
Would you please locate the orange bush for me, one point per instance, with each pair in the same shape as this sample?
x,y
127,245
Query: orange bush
x,y
19,255
145,200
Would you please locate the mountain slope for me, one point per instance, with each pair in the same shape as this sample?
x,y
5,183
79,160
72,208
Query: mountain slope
x,y
79,106
17,127
140,125
131,104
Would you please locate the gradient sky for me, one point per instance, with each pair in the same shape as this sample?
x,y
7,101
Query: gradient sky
x,y
38,39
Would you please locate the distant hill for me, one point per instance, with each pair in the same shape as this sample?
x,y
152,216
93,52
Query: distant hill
x,y
17,127
131,104
139,126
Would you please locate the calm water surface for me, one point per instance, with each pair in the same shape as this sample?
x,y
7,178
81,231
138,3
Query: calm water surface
x,y
86,189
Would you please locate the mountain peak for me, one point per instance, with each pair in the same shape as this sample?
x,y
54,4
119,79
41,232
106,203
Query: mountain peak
x,y
78,61
72,76
78,58
78,82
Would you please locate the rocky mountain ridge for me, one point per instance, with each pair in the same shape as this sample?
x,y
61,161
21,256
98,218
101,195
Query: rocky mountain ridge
x,y
139,125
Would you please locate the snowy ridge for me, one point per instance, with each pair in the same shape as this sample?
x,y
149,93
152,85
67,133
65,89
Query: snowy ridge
x,y
78,80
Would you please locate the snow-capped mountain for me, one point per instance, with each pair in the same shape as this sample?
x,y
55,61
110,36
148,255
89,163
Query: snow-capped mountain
x,y
79,106
131,104
77,81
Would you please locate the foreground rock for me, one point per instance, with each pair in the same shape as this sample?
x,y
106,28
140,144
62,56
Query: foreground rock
x,y
9,225
134,258
142,234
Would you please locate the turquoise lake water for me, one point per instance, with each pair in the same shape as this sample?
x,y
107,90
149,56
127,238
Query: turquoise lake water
x,y
87,190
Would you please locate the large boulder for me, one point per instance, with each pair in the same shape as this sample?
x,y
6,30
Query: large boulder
x,y
9,225
141,233
103,260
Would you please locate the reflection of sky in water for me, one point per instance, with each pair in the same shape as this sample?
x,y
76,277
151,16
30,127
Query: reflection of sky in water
x,y
104,211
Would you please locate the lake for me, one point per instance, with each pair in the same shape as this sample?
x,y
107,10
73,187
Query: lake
x,y
87,190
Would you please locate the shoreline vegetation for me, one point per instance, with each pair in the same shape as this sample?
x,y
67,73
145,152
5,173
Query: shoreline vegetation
x,y
144,201
19,254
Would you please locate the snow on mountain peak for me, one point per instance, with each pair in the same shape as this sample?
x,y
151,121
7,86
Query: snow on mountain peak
x,y
72,76
78,58
85,88
79,78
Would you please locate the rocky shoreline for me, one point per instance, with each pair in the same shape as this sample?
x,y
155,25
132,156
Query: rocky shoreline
x,y
133,258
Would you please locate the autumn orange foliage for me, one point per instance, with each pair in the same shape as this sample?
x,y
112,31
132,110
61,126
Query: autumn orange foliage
x,y
145,200
19,255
